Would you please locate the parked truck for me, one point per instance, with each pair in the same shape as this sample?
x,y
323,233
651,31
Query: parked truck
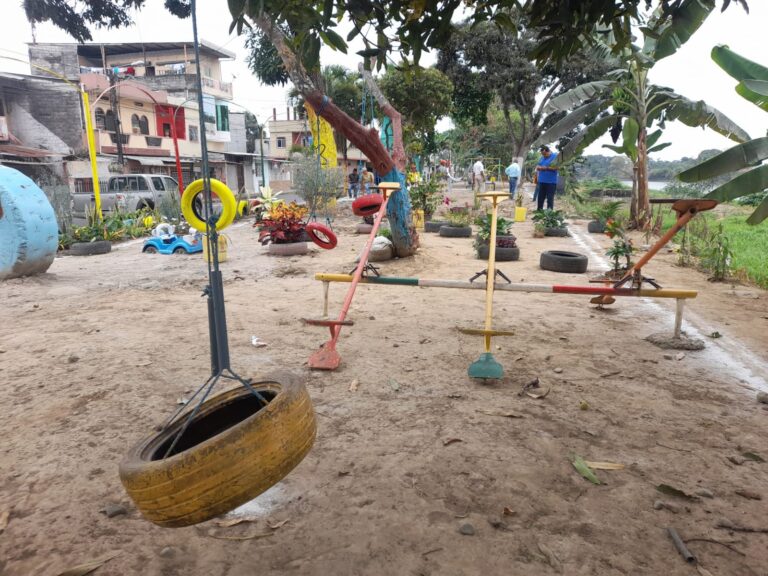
x,y
128,193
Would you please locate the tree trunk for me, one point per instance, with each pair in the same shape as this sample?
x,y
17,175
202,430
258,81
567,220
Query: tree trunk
x,y
389,168
641,201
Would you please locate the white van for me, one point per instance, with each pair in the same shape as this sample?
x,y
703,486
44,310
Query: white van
x,y
128,193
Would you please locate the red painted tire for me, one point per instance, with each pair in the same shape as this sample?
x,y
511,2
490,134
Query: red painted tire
x,y
321,235
367,205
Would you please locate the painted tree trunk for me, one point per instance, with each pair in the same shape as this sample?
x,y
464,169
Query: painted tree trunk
x,y
643,205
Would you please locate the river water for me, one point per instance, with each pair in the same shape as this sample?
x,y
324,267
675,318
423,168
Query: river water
x,y
652,184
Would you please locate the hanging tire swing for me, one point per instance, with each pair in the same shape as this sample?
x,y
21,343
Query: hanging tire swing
x,y
321,235
191,207
234,449
367,205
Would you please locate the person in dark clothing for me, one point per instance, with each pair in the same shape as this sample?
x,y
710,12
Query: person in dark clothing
x,y
354,184
547,178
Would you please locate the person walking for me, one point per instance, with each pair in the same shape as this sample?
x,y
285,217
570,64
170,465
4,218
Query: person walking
x,y
354,184
547,177
513,173
478,176
366,180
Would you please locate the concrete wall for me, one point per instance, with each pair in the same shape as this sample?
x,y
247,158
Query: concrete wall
x,y
237,142
61,58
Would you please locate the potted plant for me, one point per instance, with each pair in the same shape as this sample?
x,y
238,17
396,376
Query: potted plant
x,y
506,243
553,222
283,229
458,225
601,214
622,248
435,225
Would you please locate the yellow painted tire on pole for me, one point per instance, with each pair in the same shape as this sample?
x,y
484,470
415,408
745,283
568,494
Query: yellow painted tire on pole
x,y
225,195
233,450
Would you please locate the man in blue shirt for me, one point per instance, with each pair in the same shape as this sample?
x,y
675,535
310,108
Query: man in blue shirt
x,y
513,173
547,176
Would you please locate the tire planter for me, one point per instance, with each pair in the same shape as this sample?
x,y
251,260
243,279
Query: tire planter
x,y
367,205
561,261
434,225
321,235
364,228
502,254
29,234
556,232
596,227
233,450
90,248
290,249
455,231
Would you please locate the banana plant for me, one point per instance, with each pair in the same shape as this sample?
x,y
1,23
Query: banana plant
x,y
753,86
626,103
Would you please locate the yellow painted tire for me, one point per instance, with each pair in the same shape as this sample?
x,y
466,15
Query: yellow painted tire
x,y
232,452
242,208
225,195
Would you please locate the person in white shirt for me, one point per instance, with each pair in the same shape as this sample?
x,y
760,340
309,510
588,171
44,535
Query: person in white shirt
x,y
478,173
513,173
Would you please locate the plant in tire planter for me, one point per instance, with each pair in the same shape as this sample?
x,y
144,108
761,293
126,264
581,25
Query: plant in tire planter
x,y
604,212
506,248
426,196
283,229
553,222
458,225
622,248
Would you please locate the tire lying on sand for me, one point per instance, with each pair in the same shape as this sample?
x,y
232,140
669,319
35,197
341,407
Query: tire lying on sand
x,y
434,225
502,254
90,248
561,261
455,231
559,232
233,450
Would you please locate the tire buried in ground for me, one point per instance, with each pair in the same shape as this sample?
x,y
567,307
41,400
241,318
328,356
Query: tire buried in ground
x,y
560,232
233,450
434,225
561,261
502,254
90,248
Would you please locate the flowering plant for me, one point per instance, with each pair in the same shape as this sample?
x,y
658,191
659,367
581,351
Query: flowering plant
x,y
283,224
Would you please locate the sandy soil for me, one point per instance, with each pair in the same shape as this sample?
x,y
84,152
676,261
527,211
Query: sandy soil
x,y
98,351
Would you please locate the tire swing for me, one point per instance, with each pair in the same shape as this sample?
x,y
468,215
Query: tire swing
x,y
367,205
191,210
321,235
235,447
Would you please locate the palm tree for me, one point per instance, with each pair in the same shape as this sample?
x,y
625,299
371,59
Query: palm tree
x,y
753,86
625,102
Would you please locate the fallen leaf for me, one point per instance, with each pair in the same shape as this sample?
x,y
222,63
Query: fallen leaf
x,y
508,511
451,441
181,401
583,468
394,384
212,534
583,405
235,521
88,567
277,525
737,461
752,456
503,414
715,335
4,516
532,384
353,385
538,396
672,491
604,465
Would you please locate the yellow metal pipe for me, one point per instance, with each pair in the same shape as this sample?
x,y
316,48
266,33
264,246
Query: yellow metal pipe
x,y
92,153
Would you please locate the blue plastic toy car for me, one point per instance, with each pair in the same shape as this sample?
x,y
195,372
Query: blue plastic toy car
x,y
173,244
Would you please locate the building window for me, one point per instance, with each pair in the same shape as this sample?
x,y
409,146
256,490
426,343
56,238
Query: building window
x,y
222,118
167,130
193,134
144,125
135,124
281,141
99,118
109,121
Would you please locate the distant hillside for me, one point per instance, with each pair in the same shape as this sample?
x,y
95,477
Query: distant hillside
x,y
598,166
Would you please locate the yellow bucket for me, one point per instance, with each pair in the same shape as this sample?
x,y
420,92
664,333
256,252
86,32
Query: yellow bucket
x,y
223,243
520,213
418,219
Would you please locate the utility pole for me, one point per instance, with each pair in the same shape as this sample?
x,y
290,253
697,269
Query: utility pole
x,y
261,145
113,102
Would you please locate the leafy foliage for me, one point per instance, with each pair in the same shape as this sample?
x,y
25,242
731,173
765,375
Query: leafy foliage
x,y
503,226
283,224
622,248
549,218
606,210
426,195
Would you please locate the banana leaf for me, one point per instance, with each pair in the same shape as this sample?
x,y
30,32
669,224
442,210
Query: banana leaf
x,y
672,32
744,185
631,132
572,121
699,113
739,157
756,91
584,138
659,147
743,70
580,94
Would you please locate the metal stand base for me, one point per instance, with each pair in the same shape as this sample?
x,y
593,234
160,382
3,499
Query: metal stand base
x,y
485,273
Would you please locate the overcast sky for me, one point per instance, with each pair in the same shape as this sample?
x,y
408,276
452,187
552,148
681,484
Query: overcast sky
x,y
690,72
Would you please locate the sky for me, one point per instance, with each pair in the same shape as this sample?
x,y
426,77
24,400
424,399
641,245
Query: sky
x,y
689,72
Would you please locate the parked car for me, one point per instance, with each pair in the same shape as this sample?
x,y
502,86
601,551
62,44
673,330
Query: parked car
x,y
128,192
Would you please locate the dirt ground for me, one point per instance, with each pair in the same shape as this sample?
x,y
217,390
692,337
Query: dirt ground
x,y
99,350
